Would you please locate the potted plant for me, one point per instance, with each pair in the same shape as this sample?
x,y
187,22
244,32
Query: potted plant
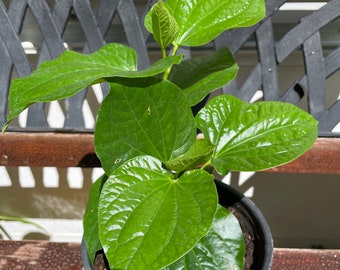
x,y
157,204
4,233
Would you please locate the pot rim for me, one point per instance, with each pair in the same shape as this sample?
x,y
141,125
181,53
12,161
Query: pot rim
x,y
257,224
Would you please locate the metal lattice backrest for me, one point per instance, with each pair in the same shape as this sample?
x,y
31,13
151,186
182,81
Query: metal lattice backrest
x,y
272,53
122,20
52,23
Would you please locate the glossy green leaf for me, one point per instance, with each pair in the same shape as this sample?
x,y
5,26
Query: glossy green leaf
x,y
71,72
148,219
143,117
164,25
251,137
200,76
90,220
201,21
222,248
198,154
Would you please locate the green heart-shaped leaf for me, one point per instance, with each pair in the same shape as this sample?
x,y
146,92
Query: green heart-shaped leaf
x,y
90,220
200,76
164,26
222,248
143,117
71,72
251,137
201,21
148,219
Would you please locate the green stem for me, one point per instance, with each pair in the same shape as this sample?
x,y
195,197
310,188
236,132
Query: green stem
x,y
167,72
163,53
205,165
23,220
2,229
176,47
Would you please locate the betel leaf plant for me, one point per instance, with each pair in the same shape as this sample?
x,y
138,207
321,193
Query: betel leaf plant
x,y
23,221
156,206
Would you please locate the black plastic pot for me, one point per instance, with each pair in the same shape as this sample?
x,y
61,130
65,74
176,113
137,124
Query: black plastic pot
x,y
258,238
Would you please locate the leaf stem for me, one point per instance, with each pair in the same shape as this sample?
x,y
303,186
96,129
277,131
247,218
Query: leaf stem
x,y
163,52
2,229
175,49
205,165
23,220
174,52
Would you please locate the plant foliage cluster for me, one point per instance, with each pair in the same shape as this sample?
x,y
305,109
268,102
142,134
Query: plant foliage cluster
x,y
156,207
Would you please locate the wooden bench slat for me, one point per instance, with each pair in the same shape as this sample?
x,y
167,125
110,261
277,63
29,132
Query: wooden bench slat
x,y
306,259
77,150
35,255
51,255
322,158
48,149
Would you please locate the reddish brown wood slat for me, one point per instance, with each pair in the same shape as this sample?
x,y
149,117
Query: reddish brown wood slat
x,y
47,149
306,259
322,158
38,255
77,150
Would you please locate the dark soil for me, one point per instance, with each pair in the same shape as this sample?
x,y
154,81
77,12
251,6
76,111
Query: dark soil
x,y
248,238
100,263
